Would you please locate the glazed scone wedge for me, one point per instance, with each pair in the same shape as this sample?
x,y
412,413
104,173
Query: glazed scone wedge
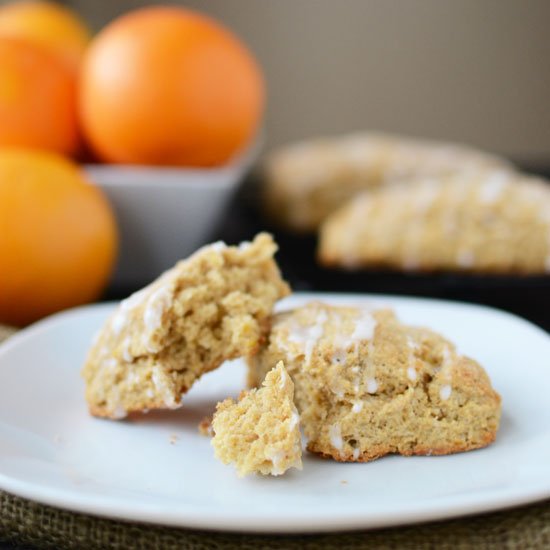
x,y
209,308
260,433
366,385
496,223
305,182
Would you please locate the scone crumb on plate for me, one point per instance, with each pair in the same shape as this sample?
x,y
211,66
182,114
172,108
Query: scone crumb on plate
x,y
173,439
205,426
260,433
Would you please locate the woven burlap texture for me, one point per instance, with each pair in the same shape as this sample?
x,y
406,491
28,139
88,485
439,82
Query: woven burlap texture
x,y
25,522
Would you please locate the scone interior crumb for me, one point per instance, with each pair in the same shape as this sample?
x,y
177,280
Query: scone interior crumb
x,y
260,433
212,307
205,426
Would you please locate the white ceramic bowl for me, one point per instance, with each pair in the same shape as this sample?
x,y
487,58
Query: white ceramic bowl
x,y
164,214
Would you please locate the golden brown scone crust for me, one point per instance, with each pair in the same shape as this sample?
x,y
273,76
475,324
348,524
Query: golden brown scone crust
x,y
305,182
211,307
260,433
367,385
494,223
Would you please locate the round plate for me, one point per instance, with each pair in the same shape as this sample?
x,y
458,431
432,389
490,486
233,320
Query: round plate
x,y
158,468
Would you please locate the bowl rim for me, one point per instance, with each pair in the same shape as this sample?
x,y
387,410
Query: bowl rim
x,y
113,175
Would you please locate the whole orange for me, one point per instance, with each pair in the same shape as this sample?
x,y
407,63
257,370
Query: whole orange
x,y
47,24
37,98
57,236
166,85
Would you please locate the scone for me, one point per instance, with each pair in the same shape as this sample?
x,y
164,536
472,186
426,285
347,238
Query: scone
x,y
211,307
260,433
305,182
496,223
367,385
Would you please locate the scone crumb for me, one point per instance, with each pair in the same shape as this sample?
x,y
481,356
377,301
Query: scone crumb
x,y
260,433
205,426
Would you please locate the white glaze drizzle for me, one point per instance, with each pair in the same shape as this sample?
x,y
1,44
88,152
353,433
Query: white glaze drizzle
x,y
294,420
308,337
365,325
276,457
110,363
492,188
283,380
119,412
126,355
157,304
245,245
335,436
164,387
372,385
445,392
411,368
364,328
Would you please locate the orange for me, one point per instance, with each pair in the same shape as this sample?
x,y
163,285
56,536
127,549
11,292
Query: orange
x,y
48,24
166,85
37,98
57,236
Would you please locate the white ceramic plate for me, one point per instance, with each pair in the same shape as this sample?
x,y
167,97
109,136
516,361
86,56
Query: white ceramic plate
x,y
158,469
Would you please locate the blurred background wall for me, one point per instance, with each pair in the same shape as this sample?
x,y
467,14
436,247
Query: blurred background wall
x,y
476,71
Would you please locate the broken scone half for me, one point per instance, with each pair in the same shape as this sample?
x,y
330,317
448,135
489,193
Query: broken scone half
x,y
209,308
366,385
260,433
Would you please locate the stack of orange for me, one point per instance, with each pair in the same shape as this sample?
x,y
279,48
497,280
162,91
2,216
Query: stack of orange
x,y
158,86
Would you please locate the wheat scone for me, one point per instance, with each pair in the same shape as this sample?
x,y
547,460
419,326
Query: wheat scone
x,y
367,385
260,433
497,223
305,182
211,307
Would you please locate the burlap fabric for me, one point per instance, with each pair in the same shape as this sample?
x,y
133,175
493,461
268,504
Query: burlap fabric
x,y
27,523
